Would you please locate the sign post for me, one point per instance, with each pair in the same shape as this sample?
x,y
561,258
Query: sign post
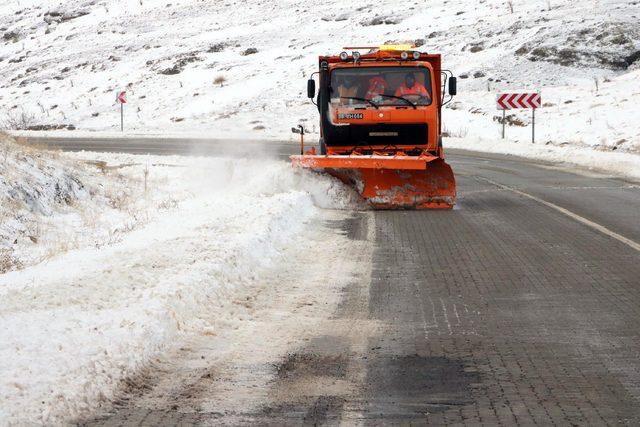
x,y
533,125
300,130
510,101
122,99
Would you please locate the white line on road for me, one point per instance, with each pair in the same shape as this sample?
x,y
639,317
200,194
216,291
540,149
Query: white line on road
x,y
575,216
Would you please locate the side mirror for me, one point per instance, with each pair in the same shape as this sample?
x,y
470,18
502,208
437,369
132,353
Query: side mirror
x,y
311,88
453,86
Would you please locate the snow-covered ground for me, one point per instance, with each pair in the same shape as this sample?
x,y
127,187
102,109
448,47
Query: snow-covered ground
x,y
52,203
63,63
74,326
110,258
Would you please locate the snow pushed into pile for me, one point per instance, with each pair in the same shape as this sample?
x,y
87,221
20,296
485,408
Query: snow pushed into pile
x,y
74,327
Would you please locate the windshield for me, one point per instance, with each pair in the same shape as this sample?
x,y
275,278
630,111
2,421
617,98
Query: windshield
x,y
371,87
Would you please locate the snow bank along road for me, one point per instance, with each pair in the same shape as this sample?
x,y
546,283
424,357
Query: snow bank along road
x,y
518,307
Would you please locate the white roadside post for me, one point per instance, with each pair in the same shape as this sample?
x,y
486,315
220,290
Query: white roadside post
x,y
510,101
533,125
121,98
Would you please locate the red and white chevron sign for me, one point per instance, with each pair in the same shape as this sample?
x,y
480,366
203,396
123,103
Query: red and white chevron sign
x,y
510,101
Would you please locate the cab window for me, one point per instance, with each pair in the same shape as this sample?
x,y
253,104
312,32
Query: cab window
x,y
368,87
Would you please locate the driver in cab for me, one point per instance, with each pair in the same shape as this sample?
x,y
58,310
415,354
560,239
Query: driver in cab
x,y
412,90
348,88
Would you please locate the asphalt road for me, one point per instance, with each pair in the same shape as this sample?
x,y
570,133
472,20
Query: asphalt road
x,y
519,307
178,146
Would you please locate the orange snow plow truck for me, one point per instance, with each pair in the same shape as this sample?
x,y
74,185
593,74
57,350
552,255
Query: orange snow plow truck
x,y
381,126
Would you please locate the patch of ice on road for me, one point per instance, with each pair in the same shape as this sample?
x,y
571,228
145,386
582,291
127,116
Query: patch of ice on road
x,y
74,327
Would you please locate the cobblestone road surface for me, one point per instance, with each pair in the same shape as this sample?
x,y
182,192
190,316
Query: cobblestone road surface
x,y
503,311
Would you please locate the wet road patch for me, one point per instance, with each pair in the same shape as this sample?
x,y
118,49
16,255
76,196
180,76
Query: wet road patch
x,y
355,227
309,388
408,386
300,365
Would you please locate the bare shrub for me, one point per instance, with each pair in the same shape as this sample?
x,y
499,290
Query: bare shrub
x,y
510,120
118,199
249,51
34,230
63,242
510,5
218,47
460,133
101,165
220,80
168,204
8,262
18,120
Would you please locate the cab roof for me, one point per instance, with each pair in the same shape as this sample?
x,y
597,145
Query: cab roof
x,y
387,52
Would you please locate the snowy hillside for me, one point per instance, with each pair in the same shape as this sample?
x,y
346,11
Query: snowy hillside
x,y
233,68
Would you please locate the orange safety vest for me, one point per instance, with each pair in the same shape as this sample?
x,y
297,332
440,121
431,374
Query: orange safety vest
x,y
417,89
377,86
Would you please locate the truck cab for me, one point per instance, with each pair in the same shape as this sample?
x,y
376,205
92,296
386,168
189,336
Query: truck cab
x,y
387,99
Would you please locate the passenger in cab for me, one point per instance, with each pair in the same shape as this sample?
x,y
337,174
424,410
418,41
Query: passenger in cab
x,y
377,87
412,90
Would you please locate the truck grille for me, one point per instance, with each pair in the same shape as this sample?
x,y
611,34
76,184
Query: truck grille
x,y
379,134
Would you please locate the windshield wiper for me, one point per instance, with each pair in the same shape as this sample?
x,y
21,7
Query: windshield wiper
x,y
400,97
361,99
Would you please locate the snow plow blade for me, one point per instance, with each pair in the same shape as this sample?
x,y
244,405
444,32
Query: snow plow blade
x,y
391,182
